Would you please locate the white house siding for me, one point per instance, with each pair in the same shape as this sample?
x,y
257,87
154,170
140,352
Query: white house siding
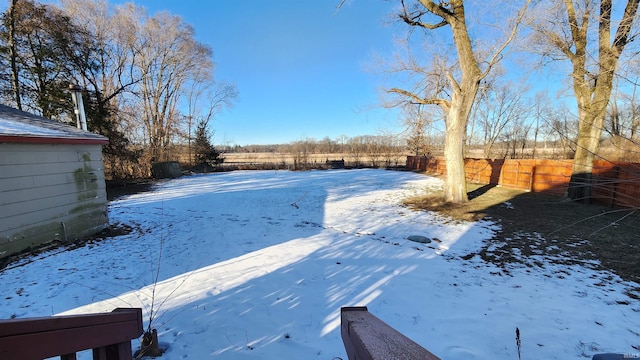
x,y
49,192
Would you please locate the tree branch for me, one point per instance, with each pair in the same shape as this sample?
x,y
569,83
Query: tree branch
x,y
413,18
438,9
497,56
452,81
421,101
622,34
561,45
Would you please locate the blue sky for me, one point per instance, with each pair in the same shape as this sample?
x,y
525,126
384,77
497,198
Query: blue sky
x,y
300,66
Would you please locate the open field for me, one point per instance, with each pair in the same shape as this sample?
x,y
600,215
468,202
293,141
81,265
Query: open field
x,y
288,159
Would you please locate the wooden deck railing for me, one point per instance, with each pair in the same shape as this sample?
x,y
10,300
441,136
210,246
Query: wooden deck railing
x,y
108,334
366,337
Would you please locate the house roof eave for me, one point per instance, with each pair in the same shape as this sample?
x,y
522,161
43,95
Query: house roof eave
x,y
22,139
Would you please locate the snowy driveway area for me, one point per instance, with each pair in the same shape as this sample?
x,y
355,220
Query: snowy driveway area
x,y
256,265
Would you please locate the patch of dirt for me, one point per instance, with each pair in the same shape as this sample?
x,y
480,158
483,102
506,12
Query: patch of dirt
x,y
539,228
32,254
119,188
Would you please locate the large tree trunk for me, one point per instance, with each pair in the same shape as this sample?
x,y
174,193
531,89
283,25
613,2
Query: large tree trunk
x,y
593,90
461,103
587,147
15,82
455,190
464,94
592,111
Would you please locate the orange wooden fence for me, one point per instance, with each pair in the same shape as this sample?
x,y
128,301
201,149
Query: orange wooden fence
x,y
613,183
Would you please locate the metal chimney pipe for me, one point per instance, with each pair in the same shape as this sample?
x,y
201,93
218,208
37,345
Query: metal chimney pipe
x,y
78,106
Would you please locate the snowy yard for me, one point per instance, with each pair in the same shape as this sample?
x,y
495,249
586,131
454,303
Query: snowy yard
x,y
256,265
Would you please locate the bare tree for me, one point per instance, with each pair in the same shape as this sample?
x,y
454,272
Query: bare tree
x,y
169,57
563,129
13,53
499,108
301,150
342,142
357,145
541,112
515,136
205,99
41,42
623,119
415,124
327,146
106,70
392,148
455,96
580,32
111,46
374,149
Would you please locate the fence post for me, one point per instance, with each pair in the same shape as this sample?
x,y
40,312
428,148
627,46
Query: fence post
x,y
533,173
614,189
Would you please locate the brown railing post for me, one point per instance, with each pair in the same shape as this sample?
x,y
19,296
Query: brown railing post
x,y
366,337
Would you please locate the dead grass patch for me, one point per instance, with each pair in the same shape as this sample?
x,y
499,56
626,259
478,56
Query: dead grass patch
x,y
538,229
482,197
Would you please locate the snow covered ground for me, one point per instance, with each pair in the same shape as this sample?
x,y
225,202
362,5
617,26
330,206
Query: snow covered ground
x,y
256,265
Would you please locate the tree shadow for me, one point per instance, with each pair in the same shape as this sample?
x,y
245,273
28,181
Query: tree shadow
x,y
562,231
281,299
480,191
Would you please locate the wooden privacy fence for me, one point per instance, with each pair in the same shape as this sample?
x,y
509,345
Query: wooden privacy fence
x,y
108,334
612,183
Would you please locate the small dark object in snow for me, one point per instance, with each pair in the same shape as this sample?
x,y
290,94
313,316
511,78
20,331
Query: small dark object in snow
x,y
149,345
610,356
419,238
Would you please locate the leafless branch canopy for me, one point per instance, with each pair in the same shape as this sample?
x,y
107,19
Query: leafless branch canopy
x,y
413,17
